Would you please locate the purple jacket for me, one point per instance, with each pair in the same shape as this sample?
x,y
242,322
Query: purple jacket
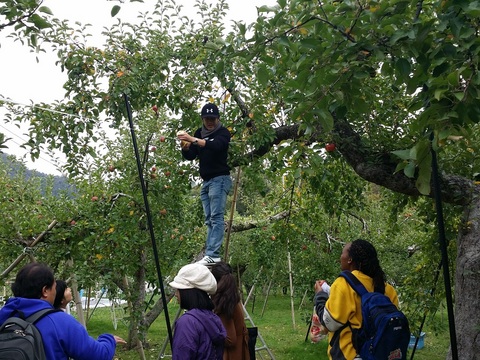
x,y
63,336
200,335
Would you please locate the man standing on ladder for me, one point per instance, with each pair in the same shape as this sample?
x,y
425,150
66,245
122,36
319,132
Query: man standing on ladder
x,y
210,146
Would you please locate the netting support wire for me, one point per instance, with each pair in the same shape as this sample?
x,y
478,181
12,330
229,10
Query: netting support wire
x,y
443,248
149,218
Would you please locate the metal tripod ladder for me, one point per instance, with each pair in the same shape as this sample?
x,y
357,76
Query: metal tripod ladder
x,y
263,346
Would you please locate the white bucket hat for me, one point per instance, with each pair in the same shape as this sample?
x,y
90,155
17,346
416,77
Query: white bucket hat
x,y
195,276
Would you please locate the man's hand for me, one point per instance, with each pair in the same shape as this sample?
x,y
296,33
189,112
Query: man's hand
x,y
185,139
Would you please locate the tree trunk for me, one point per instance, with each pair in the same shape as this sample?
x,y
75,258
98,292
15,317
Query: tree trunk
x,y
467,289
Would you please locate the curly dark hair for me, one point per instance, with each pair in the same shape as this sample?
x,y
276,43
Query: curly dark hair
x,y
365,257
227,295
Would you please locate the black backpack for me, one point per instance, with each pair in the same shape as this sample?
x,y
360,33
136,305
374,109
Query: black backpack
x,y
20,339
385,333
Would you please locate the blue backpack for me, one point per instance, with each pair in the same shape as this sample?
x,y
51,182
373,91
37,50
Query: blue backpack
x,y
384,334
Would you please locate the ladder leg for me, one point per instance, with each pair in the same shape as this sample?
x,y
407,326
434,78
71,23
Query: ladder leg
x,y
264,345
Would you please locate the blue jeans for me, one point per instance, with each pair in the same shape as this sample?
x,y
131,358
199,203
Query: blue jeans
x,y
214,198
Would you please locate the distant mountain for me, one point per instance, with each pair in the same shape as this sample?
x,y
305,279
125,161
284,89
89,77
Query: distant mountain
x,y
60,183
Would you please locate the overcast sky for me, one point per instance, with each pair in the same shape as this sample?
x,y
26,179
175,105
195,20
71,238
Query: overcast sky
x,y
23,80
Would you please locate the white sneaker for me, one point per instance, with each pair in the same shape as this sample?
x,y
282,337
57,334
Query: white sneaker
x,y
208,261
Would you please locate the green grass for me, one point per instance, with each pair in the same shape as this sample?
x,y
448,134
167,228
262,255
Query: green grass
x,y
285,341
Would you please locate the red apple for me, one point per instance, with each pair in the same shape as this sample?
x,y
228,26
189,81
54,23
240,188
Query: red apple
x,y
94,198
155,108
153,176
111,168
153,169
163,212
167,173
273,237
153,149
73,222
162,138
330,147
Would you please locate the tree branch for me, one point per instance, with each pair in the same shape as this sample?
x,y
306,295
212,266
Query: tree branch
x,y
375,167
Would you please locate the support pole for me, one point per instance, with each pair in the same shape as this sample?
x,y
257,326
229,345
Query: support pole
x,y
149,219
25,253
443,248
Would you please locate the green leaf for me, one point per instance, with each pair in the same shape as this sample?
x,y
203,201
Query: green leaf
x,y
403,67
440,69
39,22
402,154
115,10
438,93
424,175
45,10
220,67
409,170
262,75
33,39
326,119
266,8
400,166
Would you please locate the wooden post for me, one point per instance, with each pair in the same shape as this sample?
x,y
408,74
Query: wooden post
x,y
268,293
303,300
232,210
253,286
292,305
76,295
89,294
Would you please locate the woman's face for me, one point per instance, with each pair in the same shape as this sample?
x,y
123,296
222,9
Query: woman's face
x,y
67,295
345,259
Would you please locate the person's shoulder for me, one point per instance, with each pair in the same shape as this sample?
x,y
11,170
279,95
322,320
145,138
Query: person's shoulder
x,y
224,130
60,317
390,290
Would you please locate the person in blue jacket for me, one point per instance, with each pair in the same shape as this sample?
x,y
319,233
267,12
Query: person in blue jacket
x,y
63,336
199,333
209,145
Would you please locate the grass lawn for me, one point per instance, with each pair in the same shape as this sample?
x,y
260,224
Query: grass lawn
x,y
286,342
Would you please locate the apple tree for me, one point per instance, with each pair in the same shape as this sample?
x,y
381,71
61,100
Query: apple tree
x,y
385,81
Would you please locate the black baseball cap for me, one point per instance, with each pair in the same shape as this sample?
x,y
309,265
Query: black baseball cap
x,y
210,110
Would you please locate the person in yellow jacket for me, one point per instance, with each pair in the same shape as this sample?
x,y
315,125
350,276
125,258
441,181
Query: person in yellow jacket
x,y
339,307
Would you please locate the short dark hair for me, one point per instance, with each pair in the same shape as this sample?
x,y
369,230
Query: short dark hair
x,y
31,279
195,299
61,287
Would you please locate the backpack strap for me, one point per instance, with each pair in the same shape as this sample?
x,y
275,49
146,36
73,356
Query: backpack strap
x,y
40,314
354,282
